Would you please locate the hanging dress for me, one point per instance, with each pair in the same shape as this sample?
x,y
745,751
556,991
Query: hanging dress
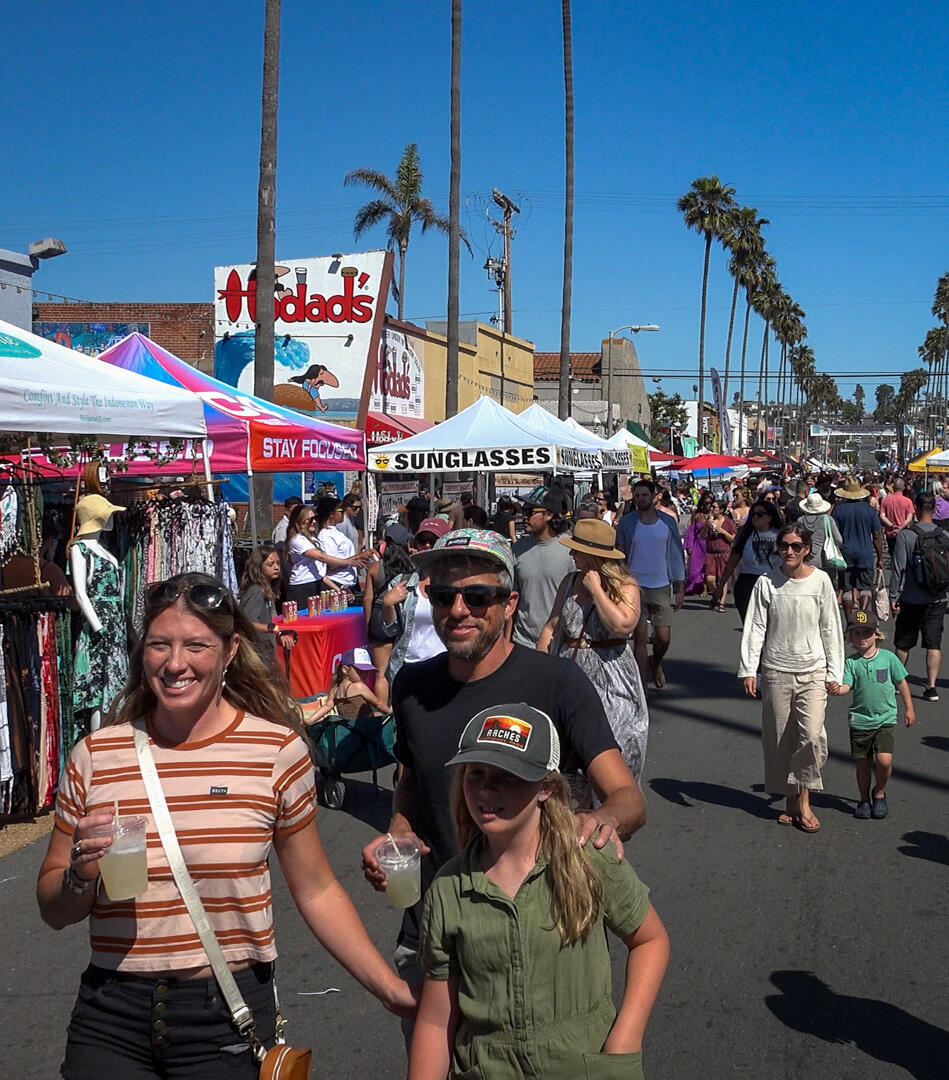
x,y
614,672
101,664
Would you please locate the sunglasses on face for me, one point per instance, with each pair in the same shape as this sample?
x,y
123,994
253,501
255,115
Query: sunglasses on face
x,y
201,594
795,546
474,596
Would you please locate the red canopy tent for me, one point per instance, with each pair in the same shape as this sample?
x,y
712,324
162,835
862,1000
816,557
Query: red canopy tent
x,y
704,462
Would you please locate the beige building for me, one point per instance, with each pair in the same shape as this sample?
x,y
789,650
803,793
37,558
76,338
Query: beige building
x,y
604,382
490,363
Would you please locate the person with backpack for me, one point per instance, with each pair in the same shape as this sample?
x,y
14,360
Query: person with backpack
x,y
919,583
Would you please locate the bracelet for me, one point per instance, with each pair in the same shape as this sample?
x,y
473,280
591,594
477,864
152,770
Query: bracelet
x,y
77,884
271,626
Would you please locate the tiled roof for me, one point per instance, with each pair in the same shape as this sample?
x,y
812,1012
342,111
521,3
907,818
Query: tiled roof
x,y
584,366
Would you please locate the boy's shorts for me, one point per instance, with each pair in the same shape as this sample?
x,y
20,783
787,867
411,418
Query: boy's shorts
x,y
866,743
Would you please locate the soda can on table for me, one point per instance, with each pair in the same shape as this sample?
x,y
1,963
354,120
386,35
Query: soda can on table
x,y
314,606
289,611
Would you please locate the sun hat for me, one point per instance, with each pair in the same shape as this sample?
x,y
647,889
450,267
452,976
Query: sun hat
x,y
516,738
437,526
862,620
851,489
444,503
593,536
92,513
482,543
357,658
815,503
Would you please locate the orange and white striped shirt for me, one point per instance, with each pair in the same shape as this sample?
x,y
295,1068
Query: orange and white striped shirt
x,y
228,797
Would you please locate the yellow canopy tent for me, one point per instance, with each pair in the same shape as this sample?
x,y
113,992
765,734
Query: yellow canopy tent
x,y
919,464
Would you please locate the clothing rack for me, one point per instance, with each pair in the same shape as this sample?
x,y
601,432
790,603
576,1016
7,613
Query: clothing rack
x,y
37,725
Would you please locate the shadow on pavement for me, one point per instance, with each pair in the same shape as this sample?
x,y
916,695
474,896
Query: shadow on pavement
x,y
926,845
365,803
680,791
937,742
882,1031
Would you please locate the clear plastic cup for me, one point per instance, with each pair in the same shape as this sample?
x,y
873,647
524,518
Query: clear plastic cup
x,y
125,868
401,859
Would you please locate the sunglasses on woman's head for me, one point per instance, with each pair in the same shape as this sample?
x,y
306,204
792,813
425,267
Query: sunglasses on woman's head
x,y
202,594
474,596
796,546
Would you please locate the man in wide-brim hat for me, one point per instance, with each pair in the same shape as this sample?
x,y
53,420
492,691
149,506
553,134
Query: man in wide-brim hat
x,y
862,532
852,490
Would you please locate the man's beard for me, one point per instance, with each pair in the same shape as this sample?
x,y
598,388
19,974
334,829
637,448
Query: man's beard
x,y
476,648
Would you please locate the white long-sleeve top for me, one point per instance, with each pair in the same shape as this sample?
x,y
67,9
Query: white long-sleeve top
x,y
793,625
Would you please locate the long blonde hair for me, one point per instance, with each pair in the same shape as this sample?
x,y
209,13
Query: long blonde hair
x,y
250,685
616,578
576,892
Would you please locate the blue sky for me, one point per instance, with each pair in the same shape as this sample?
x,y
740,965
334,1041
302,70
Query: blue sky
x,y
132,132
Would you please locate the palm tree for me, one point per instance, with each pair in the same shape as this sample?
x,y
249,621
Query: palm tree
x,y
788,325
262,490
400,206
940,309
745,241
563,401
706,207
750,275
454,215
764,301
932,352
804,369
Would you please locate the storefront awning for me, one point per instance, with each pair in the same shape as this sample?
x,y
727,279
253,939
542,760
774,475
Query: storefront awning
x,y
383,428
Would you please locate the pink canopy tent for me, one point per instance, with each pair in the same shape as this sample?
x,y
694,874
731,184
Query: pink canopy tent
x,y
245,434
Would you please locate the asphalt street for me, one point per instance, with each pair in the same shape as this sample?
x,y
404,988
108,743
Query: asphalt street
x,y
792,955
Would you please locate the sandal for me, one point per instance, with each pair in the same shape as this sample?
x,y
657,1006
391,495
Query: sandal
x,y
720,608
808,825
784,818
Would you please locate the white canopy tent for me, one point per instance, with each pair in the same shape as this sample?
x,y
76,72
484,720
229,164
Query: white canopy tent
x,y
485,437
938,461
615,459
46,387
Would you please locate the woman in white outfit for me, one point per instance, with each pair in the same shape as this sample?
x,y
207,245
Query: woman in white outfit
x,y
793,631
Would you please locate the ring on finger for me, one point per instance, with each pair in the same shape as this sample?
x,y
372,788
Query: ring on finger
x,y
76,850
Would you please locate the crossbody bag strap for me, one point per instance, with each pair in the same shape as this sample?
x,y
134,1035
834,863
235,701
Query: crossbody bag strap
x,y
241,1014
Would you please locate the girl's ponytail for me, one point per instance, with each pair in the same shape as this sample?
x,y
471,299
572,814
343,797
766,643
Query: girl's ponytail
x,y
576,890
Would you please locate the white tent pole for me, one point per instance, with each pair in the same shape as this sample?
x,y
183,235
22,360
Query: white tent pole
x,y
252,509
205,458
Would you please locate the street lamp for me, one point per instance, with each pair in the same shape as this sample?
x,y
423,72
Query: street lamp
x,y
634,328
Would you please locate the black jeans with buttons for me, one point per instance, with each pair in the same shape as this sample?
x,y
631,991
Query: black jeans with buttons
x,y
132,1027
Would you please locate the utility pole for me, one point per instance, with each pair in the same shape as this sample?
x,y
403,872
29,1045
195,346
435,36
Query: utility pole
x,y
504,228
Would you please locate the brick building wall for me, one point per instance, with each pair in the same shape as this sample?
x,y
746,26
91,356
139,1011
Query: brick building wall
x,y
185,330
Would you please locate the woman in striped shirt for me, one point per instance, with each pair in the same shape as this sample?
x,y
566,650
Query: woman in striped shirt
x,y
239,782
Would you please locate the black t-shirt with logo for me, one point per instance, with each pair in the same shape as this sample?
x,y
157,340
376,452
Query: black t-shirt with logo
x,y
431,711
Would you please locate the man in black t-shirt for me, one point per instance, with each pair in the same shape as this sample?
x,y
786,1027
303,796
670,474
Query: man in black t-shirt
x,y
472,597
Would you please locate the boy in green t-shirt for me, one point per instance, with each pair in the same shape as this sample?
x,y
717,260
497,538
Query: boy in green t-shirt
x,y
875,675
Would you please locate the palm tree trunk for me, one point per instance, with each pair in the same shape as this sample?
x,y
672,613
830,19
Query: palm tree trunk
x,y
728,342
403,248
563,403
741,382
454,215
700,404
262,491
761,369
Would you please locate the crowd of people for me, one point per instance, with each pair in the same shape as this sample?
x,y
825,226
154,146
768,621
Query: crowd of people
x,y
517,653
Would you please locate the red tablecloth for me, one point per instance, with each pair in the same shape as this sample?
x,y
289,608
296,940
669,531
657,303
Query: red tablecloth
x,y
320,643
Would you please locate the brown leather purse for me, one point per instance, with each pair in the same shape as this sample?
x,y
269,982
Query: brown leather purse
x,y
282,1062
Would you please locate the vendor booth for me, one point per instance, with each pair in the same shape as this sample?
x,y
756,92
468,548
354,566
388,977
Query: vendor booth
x,y
614,458
321,641
47,387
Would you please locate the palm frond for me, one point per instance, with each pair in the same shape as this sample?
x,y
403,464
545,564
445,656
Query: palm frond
x,y
373,213
374,179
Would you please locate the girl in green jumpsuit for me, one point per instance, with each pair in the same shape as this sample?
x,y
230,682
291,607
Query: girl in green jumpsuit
x,y
517,966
